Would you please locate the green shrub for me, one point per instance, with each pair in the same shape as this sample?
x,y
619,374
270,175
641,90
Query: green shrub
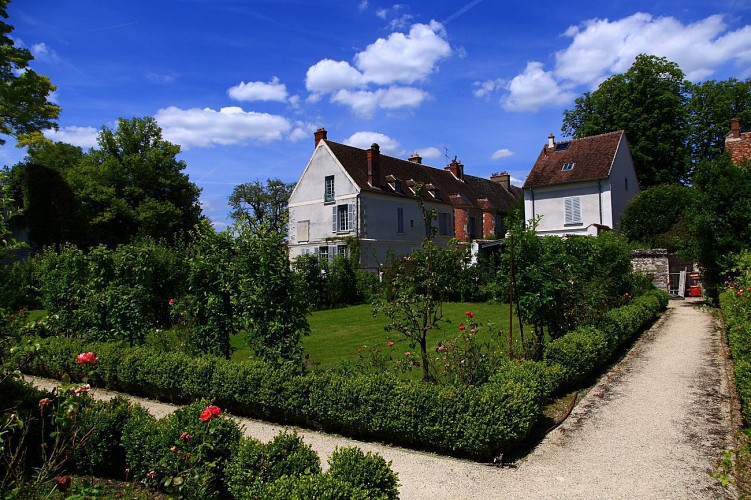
x,y
141,442
579,353
369,472
319,487
254,462
103,453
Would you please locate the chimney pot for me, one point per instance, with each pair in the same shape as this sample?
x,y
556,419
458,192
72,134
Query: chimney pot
x,y
416,158
319,135
456,168
551,140
735,128
503,178
373,155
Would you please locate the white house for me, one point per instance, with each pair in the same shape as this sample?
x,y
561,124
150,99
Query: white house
x,y
347,194
580,186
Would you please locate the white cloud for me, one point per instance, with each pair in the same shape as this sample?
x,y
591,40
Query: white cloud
x,y
501,153
327,76
404,58
534,89
160,79
488,87
363,140
84,137
392,62
365,102
429,153
229,126
600,48
362,5
259,91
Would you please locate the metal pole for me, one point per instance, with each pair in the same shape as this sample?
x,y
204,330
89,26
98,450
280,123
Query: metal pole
x,y
511,299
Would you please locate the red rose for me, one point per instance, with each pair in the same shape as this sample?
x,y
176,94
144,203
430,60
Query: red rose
x,y
461,327
390,344
469,314
86,357
209,412
171,301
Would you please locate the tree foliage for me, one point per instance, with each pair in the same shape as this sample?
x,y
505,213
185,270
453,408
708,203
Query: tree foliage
x,y
255,204
657,217
648,102
24,94
721,220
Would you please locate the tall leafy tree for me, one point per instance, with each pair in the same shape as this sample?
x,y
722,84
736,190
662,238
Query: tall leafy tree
x,y
648,102
24,94
710,108
255,204
133,185
657,217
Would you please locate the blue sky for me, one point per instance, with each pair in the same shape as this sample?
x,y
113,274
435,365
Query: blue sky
x,y
242,85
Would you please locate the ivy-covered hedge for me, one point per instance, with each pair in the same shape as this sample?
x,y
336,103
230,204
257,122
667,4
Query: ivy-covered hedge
x,y
582,351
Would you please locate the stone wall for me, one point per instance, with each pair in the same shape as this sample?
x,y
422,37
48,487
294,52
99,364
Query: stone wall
x,y
655,264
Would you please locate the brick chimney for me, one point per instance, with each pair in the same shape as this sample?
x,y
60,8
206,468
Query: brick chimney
x,y
504,179
551,140
456,168
320,135
735,128
415,158
374,154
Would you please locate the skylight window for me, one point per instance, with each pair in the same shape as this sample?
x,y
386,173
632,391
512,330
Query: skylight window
x,y
562,146
568,166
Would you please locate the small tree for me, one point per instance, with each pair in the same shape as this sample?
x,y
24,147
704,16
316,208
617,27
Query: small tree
x,y
256,204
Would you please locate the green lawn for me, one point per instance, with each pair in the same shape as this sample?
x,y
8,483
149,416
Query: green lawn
x,y
336,334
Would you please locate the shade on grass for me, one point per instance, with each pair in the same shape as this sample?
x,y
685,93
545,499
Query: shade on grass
x,y
337,334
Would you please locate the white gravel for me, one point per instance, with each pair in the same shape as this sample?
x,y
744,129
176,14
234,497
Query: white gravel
x,y
653,427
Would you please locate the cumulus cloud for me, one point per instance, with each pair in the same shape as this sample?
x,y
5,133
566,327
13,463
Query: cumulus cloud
x,y
534,89
429,153
488,87
501,153
364,139
392,65
259,91
228,126
84,137
365,102
600,48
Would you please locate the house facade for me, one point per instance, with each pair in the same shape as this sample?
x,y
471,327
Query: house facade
x,y
349,195
581,186
737,143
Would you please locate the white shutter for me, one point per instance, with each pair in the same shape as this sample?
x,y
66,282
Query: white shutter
x,y
572,210
350,216
333,219
577,209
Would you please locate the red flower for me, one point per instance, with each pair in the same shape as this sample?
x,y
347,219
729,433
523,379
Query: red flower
x,y
210,412
472,330
441,348
171,301
63,483
461,327
390,344
469,314
86,357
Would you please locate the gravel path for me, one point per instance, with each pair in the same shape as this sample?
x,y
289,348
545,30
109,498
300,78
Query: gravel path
x,y
653,427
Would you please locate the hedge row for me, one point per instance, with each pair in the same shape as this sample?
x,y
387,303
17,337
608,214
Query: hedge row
x,y
475,422
736,311
586,349
469,422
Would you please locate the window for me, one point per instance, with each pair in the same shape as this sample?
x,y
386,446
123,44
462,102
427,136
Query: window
x,y
471,228
568,166
303,230
499,225
323,253
342,250
562,146
399,220
444,224
305,251
572,211
343,218
328,194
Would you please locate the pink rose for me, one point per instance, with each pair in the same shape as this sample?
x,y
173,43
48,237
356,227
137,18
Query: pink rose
x,y
86,357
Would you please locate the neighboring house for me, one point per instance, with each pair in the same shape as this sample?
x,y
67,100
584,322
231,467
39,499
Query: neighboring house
x,y
347,194
580,186
738,144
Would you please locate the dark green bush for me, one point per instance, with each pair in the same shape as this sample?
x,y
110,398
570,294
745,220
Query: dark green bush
x,y
319,487
367,471
254,462
102,453
578,353
736,311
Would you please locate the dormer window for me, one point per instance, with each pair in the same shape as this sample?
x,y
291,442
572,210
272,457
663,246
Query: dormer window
x,y
568,166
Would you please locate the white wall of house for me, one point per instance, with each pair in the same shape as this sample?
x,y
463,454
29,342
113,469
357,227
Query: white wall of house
x,y
308,208
625,184
549,202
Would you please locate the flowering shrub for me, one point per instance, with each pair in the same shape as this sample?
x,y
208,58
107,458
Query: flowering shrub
x,y
86,357
210,412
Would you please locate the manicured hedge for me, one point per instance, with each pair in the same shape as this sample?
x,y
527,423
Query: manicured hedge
x,y
584,350
474,422
736,311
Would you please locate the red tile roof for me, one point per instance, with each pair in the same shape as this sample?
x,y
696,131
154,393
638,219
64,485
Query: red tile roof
x,y
473,189
592,158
